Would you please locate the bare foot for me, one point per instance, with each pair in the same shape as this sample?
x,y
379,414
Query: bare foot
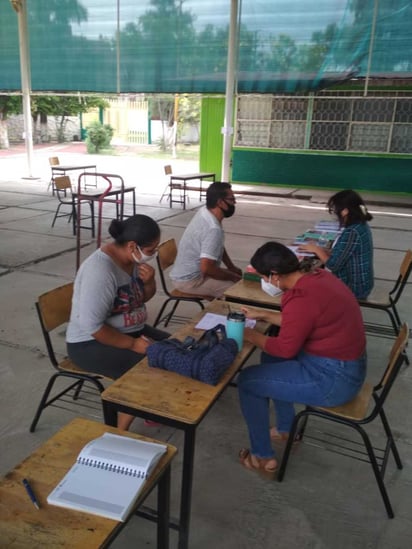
x,y
278,436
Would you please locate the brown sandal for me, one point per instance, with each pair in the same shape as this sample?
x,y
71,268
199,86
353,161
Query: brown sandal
x,y
259,465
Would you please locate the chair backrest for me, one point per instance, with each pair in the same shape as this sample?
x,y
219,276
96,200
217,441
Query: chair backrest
x,y
55,306
63,183
54,309
168,169
166,256
396,359
54,161
404,272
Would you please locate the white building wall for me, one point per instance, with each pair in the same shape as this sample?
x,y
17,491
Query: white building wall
x,y
15,125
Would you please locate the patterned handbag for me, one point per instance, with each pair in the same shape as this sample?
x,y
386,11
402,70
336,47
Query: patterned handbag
x,y
205,359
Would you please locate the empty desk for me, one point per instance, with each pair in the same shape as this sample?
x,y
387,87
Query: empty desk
x,y
22,525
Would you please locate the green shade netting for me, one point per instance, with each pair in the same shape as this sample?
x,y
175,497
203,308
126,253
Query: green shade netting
x,y
177,46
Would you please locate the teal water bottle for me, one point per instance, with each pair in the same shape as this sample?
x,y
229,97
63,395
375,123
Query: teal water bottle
x,y
235,327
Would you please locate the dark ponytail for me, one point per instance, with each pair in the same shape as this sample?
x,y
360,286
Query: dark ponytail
x,y
352,201
277,258
141,229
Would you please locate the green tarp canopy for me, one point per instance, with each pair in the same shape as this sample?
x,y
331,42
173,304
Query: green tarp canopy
x,y
180,46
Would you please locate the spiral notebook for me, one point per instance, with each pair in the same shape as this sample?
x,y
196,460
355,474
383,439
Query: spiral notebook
x,y
108,476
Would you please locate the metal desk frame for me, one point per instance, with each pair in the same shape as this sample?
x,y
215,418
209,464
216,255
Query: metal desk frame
x,y
179,182
61,169
100,198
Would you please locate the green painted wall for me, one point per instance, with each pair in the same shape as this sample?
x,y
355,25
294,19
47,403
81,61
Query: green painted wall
x,y
211,139
388,173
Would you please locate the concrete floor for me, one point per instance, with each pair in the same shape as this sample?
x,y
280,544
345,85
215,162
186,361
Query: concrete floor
x,y
326,501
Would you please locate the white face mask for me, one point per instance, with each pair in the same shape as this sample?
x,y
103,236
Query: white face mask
x,y
143,257
269,288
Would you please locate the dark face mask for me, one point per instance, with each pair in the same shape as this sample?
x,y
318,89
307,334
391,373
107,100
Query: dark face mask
x,y
230,209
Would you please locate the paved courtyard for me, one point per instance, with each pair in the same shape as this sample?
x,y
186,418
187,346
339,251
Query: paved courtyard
x,y
326,501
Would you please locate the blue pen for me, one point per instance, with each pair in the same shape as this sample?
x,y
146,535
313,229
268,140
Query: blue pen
x,y
31,493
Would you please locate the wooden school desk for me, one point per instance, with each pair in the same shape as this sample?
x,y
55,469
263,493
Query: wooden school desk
x,y
179,182
95,196
61,169
249,292
22,525
174,400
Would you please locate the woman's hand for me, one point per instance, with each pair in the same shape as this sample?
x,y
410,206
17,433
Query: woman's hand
x,y
274,317
311,248
110,336
248,334
254,314
256,338
140,344
322,253
146,272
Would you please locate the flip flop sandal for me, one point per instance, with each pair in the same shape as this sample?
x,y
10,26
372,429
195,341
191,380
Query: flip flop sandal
x,y
245,458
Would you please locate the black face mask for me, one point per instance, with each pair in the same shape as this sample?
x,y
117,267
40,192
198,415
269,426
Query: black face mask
x,y
230,209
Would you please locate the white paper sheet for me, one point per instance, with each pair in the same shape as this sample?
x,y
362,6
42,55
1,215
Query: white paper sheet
x,y
210,320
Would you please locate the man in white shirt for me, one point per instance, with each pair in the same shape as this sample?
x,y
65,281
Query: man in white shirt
x,y
201,249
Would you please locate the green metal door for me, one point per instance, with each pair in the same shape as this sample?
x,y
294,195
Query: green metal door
x,y
211,138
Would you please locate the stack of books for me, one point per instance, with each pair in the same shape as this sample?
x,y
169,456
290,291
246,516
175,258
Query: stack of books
x,y
320,237
251,274
328,225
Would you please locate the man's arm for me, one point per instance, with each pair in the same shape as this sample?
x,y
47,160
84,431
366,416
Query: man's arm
x,y
208,267
229,263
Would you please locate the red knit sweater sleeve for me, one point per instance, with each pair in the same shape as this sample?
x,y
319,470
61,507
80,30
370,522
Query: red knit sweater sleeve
x,y
299,312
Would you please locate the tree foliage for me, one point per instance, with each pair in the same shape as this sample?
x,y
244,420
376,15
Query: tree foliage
x,y
62,107
10,104
164,107
98,136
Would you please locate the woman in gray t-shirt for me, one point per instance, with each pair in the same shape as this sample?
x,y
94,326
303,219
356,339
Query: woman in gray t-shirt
x,y
107,331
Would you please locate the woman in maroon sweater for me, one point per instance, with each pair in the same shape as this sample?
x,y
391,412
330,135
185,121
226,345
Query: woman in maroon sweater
x,y
318,357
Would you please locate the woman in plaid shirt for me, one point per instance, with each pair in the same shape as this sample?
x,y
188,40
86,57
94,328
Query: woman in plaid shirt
x,y
351,257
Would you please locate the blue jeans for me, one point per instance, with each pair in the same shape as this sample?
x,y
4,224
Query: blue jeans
x,y
306,379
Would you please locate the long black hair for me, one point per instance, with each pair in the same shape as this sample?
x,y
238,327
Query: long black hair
x,y
357,211
274,257
141,229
